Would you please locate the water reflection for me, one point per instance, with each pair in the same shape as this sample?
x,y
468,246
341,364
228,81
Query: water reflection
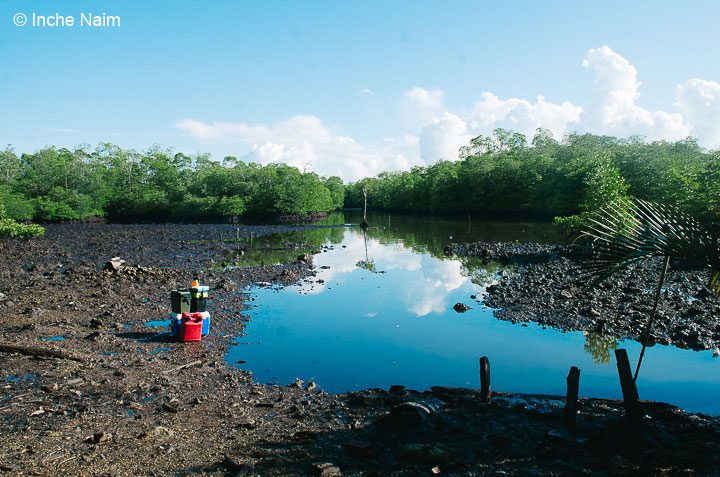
x,y
349,329
367,264
600,347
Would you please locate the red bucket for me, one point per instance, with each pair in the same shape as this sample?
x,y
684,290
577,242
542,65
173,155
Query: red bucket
x,y
191,327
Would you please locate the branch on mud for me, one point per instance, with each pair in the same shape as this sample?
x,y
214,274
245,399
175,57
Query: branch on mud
x,y
182,367
39,352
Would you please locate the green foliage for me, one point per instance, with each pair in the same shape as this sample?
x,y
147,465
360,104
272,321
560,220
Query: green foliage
x,y
630,231
16,205
157,184
10,228
604,185
503,176
599,346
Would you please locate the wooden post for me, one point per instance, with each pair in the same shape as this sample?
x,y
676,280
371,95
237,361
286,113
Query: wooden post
x,y
237,233
571,400
485,394
629,390
221,236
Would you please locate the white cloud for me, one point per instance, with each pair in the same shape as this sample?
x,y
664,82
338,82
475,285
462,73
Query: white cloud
x,y
442,137
699,101
64,130
303,141
433,131
614,112
422,106
522,116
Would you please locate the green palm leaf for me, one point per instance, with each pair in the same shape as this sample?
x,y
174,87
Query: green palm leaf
x,y
627,231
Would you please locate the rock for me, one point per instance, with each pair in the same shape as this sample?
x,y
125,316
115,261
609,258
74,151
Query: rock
x,y
305,258
325,469
396,389
235,467
460,307
115,264
3,297
407,415
566,294
50,388
358,448
96,323
159,431
99,437
247,424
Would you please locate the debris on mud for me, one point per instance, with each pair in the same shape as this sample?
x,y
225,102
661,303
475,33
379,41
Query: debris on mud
x,y
136,402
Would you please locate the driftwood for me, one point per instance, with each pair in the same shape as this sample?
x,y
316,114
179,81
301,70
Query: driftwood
x,y
178,368
39,352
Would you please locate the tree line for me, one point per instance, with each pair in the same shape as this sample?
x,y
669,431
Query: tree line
x,y
497,176
59,184
504,176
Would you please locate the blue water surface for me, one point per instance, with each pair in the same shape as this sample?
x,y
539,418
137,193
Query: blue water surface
x,y
381,313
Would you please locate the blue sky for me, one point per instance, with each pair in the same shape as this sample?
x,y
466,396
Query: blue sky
x,y
355,87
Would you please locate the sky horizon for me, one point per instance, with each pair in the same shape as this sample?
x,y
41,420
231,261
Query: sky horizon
x,y
352,88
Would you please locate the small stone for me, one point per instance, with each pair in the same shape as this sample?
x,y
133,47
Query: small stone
x,y
158,431
99,437
566,294
115,264
461,307
50,388
325,469
96,323
247,424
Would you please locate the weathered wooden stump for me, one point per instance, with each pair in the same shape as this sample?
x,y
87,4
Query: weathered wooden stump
x,y
571,400
629,391
485,393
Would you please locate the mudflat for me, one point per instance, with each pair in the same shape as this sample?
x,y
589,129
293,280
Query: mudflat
x,y
87,388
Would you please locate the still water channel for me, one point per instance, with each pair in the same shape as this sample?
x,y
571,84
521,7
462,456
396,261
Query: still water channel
x,y
380,312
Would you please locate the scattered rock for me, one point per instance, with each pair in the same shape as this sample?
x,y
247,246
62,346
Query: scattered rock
x,y
305,258
325,469
461,307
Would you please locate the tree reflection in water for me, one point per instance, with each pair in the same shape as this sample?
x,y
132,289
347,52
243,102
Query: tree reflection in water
x,y
599,347
367,264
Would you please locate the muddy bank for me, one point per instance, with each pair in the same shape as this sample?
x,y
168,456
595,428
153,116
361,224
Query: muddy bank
x,y
548,288
118,397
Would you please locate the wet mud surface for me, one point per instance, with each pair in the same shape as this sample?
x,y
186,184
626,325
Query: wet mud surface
x,y
86,388
550,288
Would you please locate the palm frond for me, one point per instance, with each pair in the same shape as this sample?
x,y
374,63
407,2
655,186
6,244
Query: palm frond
x,y
627,231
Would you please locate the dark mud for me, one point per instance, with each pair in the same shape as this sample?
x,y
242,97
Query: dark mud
x,y
549,288
122,398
